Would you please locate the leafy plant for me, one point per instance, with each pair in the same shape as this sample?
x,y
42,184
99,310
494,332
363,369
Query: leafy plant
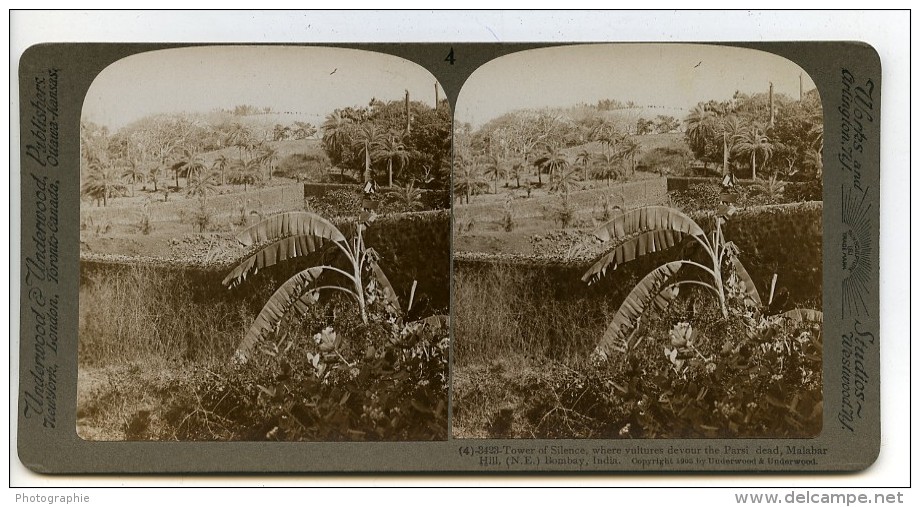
x,y
747,375
772,189
651,229
410,197
562,213
102,182
299,234
201,216
507,220
145,226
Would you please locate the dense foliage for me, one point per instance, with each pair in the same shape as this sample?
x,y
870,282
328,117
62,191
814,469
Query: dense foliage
x,y
327,379
743,132
403,142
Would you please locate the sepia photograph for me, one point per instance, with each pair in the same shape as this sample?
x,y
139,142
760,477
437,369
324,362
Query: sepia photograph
x,y
264,247
638,245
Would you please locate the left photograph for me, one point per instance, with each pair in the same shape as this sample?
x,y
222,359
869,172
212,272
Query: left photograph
x,y
264,247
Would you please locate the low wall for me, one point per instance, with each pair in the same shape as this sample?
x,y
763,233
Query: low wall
x,y
633,194
266,201
430,199
793,189
785,239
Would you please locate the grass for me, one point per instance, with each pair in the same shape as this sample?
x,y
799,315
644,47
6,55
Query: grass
x,y
502,312
138,314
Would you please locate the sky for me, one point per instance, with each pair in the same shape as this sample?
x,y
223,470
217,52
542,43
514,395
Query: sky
x,y
670,75
308,80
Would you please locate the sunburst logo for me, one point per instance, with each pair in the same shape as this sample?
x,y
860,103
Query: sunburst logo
x,y
856,251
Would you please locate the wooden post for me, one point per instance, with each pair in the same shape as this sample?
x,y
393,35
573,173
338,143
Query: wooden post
x,y
771,105
408,120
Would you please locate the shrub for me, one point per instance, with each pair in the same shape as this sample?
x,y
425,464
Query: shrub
x,y
812,190
304,166
200,216
507,220
381,382
563,213
338,203
666,160
144,226
747,375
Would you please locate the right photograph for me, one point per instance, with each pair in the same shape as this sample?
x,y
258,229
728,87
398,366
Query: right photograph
x,y
637,245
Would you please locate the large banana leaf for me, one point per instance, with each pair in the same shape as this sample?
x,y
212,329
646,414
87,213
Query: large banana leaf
x,y
385,287
649,218
290,224
294,293
652,291
639,232
750,287
639,245
301,234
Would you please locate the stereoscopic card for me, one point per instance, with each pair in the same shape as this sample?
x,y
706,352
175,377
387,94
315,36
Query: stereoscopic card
x,y
449,257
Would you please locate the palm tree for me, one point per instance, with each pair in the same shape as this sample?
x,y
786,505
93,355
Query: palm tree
x,y
702,126
103,181
583,159
153,175
468,179
813,159
239,136
390,149
280,132
190,164
410,197
516,169
302,130
730,126
607,163
494,169
221,163
336,132
133,173
201,185
553,160
267,157
606,133
368,137
752,142
244,172
564,182
629,150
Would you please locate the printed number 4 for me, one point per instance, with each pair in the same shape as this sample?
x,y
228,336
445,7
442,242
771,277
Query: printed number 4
x,y
450,57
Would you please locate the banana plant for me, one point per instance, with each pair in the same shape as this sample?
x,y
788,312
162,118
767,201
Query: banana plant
x,y
299,234
642,231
